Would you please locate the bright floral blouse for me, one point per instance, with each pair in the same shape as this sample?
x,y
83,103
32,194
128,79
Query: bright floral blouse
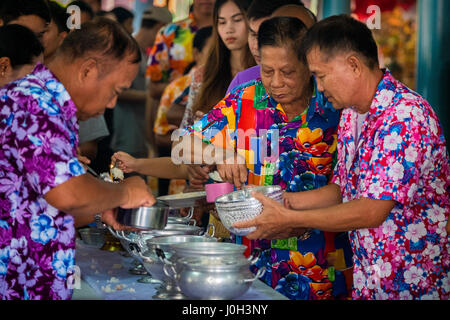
x,y
39,136
172,51
177,89
297,155
401,155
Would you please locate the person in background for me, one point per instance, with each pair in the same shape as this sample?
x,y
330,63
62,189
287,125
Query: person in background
x,y
33,14
259,12
168,59
86,11
390,187
96,5
95,129
106,14
162,128
45,190
103,143
172,51
20,50
229,53
178,90
129,114
124,17
57,30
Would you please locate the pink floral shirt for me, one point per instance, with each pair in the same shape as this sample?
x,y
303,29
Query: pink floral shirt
x,y
401,155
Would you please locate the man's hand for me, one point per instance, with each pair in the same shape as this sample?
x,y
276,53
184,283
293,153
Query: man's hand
x,y
109,217
84,160
139,194
272,223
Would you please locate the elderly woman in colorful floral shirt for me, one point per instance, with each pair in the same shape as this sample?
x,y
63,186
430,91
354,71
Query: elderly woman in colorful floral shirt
x,y
391,184
297,126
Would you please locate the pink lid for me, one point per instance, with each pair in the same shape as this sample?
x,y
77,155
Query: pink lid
x,y
215,190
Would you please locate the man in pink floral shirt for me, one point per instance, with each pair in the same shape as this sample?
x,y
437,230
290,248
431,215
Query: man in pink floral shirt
x,y
391,184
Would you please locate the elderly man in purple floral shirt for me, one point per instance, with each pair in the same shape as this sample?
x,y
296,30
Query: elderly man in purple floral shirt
x,y
44,191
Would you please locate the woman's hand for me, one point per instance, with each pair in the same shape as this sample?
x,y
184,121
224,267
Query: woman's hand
x,y
198,175
233,170
125,162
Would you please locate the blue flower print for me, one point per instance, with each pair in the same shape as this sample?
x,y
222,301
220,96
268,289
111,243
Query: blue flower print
x,y
45,100
57,90
75,167
286,164
307,181
63,262
42,229
4,260
295,286
4,224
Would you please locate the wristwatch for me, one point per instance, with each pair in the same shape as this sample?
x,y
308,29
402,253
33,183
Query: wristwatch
x,y
98,221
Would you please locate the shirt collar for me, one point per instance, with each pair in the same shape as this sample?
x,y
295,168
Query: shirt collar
x,y
318,104
384,95
56,89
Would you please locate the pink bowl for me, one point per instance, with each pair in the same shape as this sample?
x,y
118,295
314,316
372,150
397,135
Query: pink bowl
x,y
215,190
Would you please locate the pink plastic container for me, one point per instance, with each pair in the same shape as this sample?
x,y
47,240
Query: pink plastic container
x,y
215,190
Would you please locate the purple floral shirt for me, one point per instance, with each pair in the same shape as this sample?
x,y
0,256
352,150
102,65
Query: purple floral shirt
x,y
38,139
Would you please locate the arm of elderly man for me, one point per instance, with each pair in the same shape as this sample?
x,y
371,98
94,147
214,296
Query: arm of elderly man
x,y
320,209
411,178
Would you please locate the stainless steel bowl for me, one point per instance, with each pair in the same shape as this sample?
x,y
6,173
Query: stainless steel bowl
x,y
93,237
241,206
159,252
213,279
147,218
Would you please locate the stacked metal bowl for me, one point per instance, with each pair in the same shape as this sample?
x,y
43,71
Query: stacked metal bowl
x,y
211,270
242,206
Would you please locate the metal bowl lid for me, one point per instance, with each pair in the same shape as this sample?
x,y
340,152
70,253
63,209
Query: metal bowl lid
x,y
182,227
175,239
210,248
183,200
214,263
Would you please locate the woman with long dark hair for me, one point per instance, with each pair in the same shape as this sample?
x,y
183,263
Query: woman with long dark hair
x,y
229,54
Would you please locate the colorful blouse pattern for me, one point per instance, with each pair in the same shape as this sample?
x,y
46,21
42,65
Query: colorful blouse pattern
x,y
401,155
176,90
296,155
39,135
172,51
